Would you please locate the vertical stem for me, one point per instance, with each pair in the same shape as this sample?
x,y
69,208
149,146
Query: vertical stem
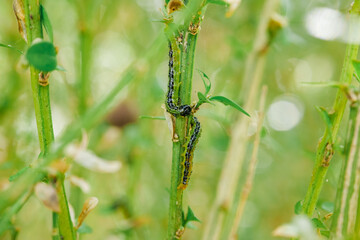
x,y
41,95
187,64
325,148
235,155
340,218
239,205
85,58
186,69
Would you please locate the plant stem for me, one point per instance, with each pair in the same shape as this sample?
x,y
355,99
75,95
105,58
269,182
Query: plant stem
x,y
243,194
181,126
346,200
86,39
15,208
325,149
41,96
175,212
232,166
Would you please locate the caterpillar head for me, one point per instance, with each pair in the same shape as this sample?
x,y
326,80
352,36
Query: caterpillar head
x,y
185,110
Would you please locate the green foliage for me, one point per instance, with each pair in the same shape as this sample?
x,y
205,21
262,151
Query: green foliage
x,y
190,217
218,2
356,64
152,117
228,102
206,81
45,20
206,98
11,47
318,223
42,55
326,117
298,207
18,174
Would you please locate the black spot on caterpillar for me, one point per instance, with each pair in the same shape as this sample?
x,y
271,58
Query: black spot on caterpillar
x,y
174,68
189,153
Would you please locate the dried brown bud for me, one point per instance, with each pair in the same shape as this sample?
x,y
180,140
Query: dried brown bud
x,y
174,5
19,11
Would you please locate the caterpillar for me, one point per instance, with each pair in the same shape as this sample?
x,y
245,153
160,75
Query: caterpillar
x,y
189,153
174,72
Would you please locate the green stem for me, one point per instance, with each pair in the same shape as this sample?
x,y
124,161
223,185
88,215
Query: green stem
x,y
175,212
325,149
41,95
15,208
181,127
85,65
65,224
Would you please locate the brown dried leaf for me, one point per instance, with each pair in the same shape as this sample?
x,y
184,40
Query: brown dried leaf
x,y
89,205
20,16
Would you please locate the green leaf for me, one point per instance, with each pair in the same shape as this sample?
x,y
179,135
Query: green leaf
x,y
84,228
44,17
328,206
152,117
298,207
191,216
325,233
326,117
218,2
228,102
206,81
356,64
42,56
203,99
18,174
318,223
11,47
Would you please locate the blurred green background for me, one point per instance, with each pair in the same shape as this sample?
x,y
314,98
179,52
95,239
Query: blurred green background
x,y
133,202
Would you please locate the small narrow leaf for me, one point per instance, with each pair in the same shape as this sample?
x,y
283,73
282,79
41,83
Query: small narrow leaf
x,y
228,102
356,64
326,117
298,207
325,233
318,223
11,47
46,22
191,216
152,117
18,174
206,81
218,2
42,55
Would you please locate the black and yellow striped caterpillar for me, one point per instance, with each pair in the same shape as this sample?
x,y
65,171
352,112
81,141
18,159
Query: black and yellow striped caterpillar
x,y
176,109
174,72
195,131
